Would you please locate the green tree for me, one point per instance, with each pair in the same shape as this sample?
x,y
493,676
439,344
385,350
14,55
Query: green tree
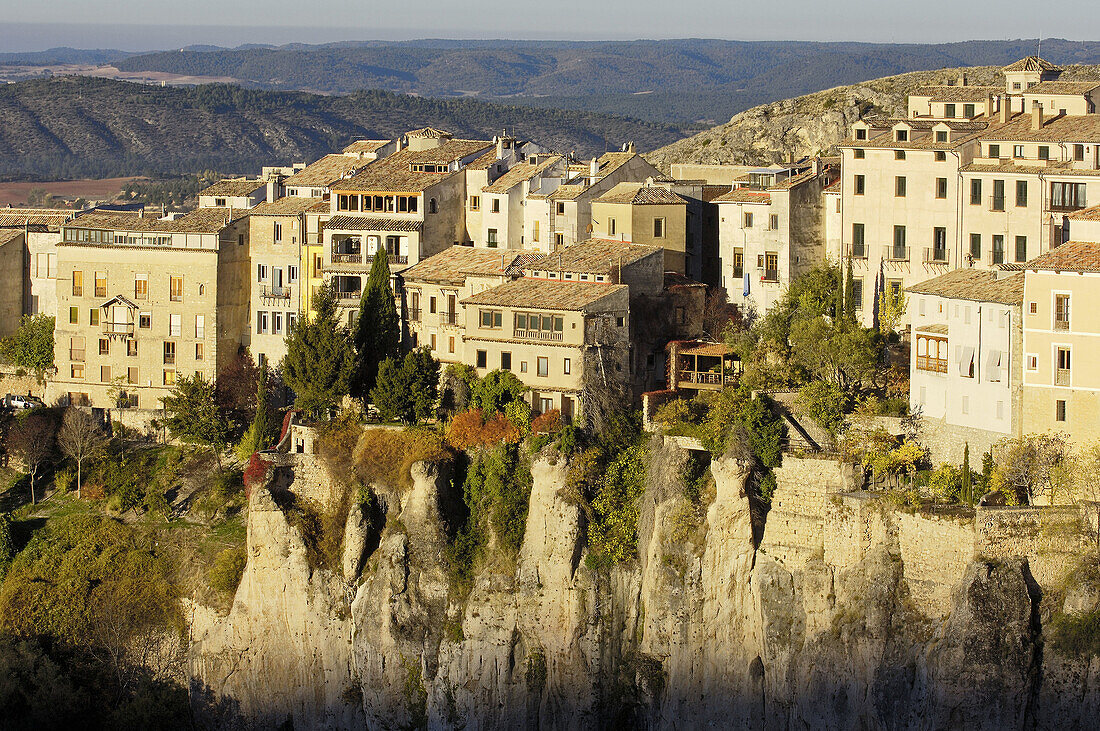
x,y
31,346
407,390
319,360
495,391
824,403
850,304
965,490
193,415
32,439
891,310
376,329
259,432
845,357
423,374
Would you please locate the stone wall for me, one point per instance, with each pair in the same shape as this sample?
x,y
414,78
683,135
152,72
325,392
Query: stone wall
x,y
24,384
945,442
794,530
854,524
935,551
1050,538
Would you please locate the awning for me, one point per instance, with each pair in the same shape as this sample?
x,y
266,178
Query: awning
x,y
966,360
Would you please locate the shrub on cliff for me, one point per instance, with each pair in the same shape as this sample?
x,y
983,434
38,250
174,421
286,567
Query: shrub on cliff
x,y
386,456
613,531
31,346
225,574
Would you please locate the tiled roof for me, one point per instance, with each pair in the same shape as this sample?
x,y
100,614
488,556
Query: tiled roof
x,y
744,195
395,173
567,191
794,180
202,220
8,234
1077,128
428,132
365,146
639,194
455,263
675,279
974,285
719,349
958,93
519,173
39,219
1072,256
1031,63
544,294
1022,167
1086,214
233,187
1055,88
938,328
833,187
363,223
594,256
288,206
326,171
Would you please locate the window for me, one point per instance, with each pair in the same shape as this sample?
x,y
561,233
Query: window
x,y
506,361
899,186
431,205
658,228
535,231
145,320
859,153
76,348
940,156
131,375
76,370
994,151
1079,152
1017,151
74,315
949,110
169,377
261,272
78,284
771,267
859,248
559,240
1062,366
567,366
861,134
968,110
475,203
104,346
1021,248
1061,312
738,263
292,273
131,348
1032,362
278,232
450,344
175,325
561,209
860,184
1021,193
747,221
101,284
941,135
975,192
899,251
931,354
998,247
431,305
291,318
491,319
141,286
318,265
432,342
1044,152
975,246
899,154
491,239
261,322
901,135
543,367
105,374
1067,196
998,202
176,289
482,359
523,366
496,205
1059,410
169,352
939,244
277,323
941,187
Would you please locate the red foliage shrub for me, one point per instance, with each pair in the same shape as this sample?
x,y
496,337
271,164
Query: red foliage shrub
x,y
286,424
547,423
471,429
254,474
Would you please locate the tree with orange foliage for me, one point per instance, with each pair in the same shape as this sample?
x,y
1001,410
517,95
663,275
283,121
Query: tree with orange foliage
x,y
471,429
547,423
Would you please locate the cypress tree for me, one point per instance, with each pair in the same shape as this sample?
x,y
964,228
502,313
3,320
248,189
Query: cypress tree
x,y
319,359
966,489
849,296
376,330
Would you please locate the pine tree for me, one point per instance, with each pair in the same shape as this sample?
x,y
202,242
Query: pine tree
x,y
319,360
376,329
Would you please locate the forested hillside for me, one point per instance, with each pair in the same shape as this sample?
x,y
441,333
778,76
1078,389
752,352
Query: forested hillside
x,y
679,81
87,127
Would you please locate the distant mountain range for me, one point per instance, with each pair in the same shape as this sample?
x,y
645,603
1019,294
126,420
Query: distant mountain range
x,y
75,126
680,82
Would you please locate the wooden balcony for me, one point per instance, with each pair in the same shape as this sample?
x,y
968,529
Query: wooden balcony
x,y
349,294
350,258
935,365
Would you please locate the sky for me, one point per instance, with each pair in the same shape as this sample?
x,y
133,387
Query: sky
x,y
161,24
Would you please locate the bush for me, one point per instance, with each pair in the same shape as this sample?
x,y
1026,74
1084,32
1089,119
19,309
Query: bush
x,y
824,403
63,480
472,429
386,456
1077,634
613,532
547,423
225,574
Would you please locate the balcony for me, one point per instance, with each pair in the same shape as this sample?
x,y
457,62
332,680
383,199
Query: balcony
x,y
348,294
552,335
448,318
1061,377
705,378
349,258
119,329
935,255
414,314
895,253
1061,323
770,276
997,203
853,251
935,365
394,258
280,293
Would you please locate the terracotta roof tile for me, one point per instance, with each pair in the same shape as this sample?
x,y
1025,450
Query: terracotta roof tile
x,y
288,206
639,194
744,195
947,93
1031,63
233,187
365,146
395,173
545,294
519,173
1072,256
974,285
326,171
9,234
363,223
202,220
594,256
38,219
1086,214
454,264
1074,88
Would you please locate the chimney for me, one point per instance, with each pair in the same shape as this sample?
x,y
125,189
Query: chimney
x,y
593,168
1005,104
962,79
1036,116
630,147
989,106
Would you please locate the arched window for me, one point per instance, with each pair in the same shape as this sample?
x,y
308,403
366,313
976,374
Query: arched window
x,y
431,205
202,289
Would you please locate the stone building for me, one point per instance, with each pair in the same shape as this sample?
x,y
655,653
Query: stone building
x,y
644,213
143,301
239,193
37,262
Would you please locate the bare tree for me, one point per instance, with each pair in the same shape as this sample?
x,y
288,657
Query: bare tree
x,y
1034,464
32,440
80,438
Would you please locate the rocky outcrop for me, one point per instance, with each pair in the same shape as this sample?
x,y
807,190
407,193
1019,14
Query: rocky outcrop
x,y
700,632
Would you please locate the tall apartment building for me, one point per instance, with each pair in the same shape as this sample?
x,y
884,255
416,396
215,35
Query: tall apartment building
x,y
644,213
976,176
497,214
770,230
34,259
142,301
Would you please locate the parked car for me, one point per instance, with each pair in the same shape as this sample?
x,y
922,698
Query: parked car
x,y
18,402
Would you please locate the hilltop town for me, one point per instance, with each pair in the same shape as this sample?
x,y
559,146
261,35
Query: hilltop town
x,y
875,361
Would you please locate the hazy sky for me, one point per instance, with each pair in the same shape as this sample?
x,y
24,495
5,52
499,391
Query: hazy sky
x,y
117,24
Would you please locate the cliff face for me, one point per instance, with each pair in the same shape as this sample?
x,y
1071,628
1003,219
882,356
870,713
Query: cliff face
x,y
713,632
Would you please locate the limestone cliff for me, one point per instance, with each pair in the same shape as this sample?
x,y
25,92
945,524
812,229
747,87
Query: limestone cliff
x,y
710,632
